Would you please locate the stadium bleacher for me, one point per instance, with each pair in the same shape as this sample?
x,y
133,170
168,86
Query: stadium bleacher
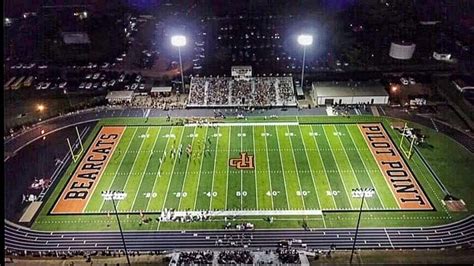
x,y
254,92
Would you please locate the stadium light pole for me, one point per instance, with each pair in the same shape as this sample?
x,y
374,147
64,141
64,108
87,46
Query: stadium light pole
x,y
179,41
366,192
304,40
117,195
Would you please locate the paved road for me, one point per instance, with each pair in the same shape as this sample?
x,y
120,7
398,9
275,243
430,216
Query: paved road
x,y
458,234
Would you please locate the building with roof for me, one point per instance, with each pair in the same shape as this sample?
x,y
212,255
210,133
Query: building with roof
x,y
115,97
347,92
160,91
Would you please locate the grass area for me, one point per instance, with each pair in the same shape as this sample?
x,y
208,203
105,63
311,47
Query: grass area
x,y
294,169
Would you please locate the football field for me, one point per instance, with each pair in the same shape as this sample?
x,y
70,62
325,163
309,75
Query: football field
x,y
242,167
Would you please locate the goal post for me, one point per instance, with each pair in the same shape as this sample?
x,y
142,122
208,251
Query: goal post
x,y
75,157
411,141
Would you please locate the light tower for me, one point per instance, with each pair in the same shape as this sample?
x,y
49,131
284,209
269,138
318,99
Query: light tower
x,y
304,40
179,41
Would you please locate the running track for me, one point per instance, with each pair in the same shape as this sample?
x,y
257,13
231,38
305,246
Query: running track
x,y
456,234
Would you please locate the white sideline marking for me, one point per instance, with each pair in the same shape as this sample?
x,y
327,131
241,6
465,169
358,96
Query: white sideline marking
x,y
244,124
251,213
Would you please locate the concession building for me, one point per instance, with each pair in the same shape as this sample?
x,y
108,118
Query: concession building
x,y
349,92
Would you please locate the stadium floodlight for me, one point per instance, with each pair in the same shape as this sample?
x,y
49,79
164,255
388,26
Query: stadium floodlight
x,y
304,40
179,41
360,193
112,196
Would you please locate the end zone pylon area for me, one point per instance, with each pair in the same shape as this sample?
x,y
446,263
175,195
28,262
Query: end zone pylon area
x,y
75,157
407,133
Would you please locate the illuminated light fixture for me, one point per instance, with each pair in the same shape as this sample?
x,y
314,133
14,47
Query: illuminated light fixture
x,y
178,40
305,39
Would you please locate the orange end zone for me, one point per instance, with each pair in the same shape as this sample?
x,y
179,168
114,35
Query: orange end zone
x,y
398,175
76,194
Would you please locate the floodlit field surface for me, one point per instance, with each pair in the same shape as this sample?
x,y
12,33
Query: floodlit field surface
x,y
237,167
285,168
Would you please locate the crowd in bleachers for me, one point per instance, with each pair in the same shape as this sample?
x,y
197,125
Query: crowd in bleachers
x,y
288,256
196,91
265,92
235,257
154,102
241,92
196,257
218,91
286,92
259,92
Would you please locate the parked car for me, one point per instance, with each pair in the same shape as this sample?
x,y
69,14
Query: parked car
x,y
404,81
88,86
96,76
63,85
142,86
112,83
82,85
412,81
45,85
134,86
39,85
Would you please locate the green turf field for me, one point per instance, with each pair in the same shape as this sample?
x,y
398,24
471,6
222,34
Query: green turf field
x,y
298,164
295,167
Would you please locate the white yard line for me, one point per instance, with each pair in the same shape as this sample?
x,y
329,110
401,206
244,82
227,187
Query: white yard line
x,y
214,169
169,182
186,170
239,124
365,166
324,167
200,168
255,167
350,164
146,167
131,170
310,168
120,165
241,173
268,166
339,170
282,169
296,167
228,171
159,169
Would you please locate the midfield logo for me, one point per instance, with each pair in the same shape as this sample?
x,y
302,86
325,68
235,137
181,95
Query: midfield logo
x,y
244,162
